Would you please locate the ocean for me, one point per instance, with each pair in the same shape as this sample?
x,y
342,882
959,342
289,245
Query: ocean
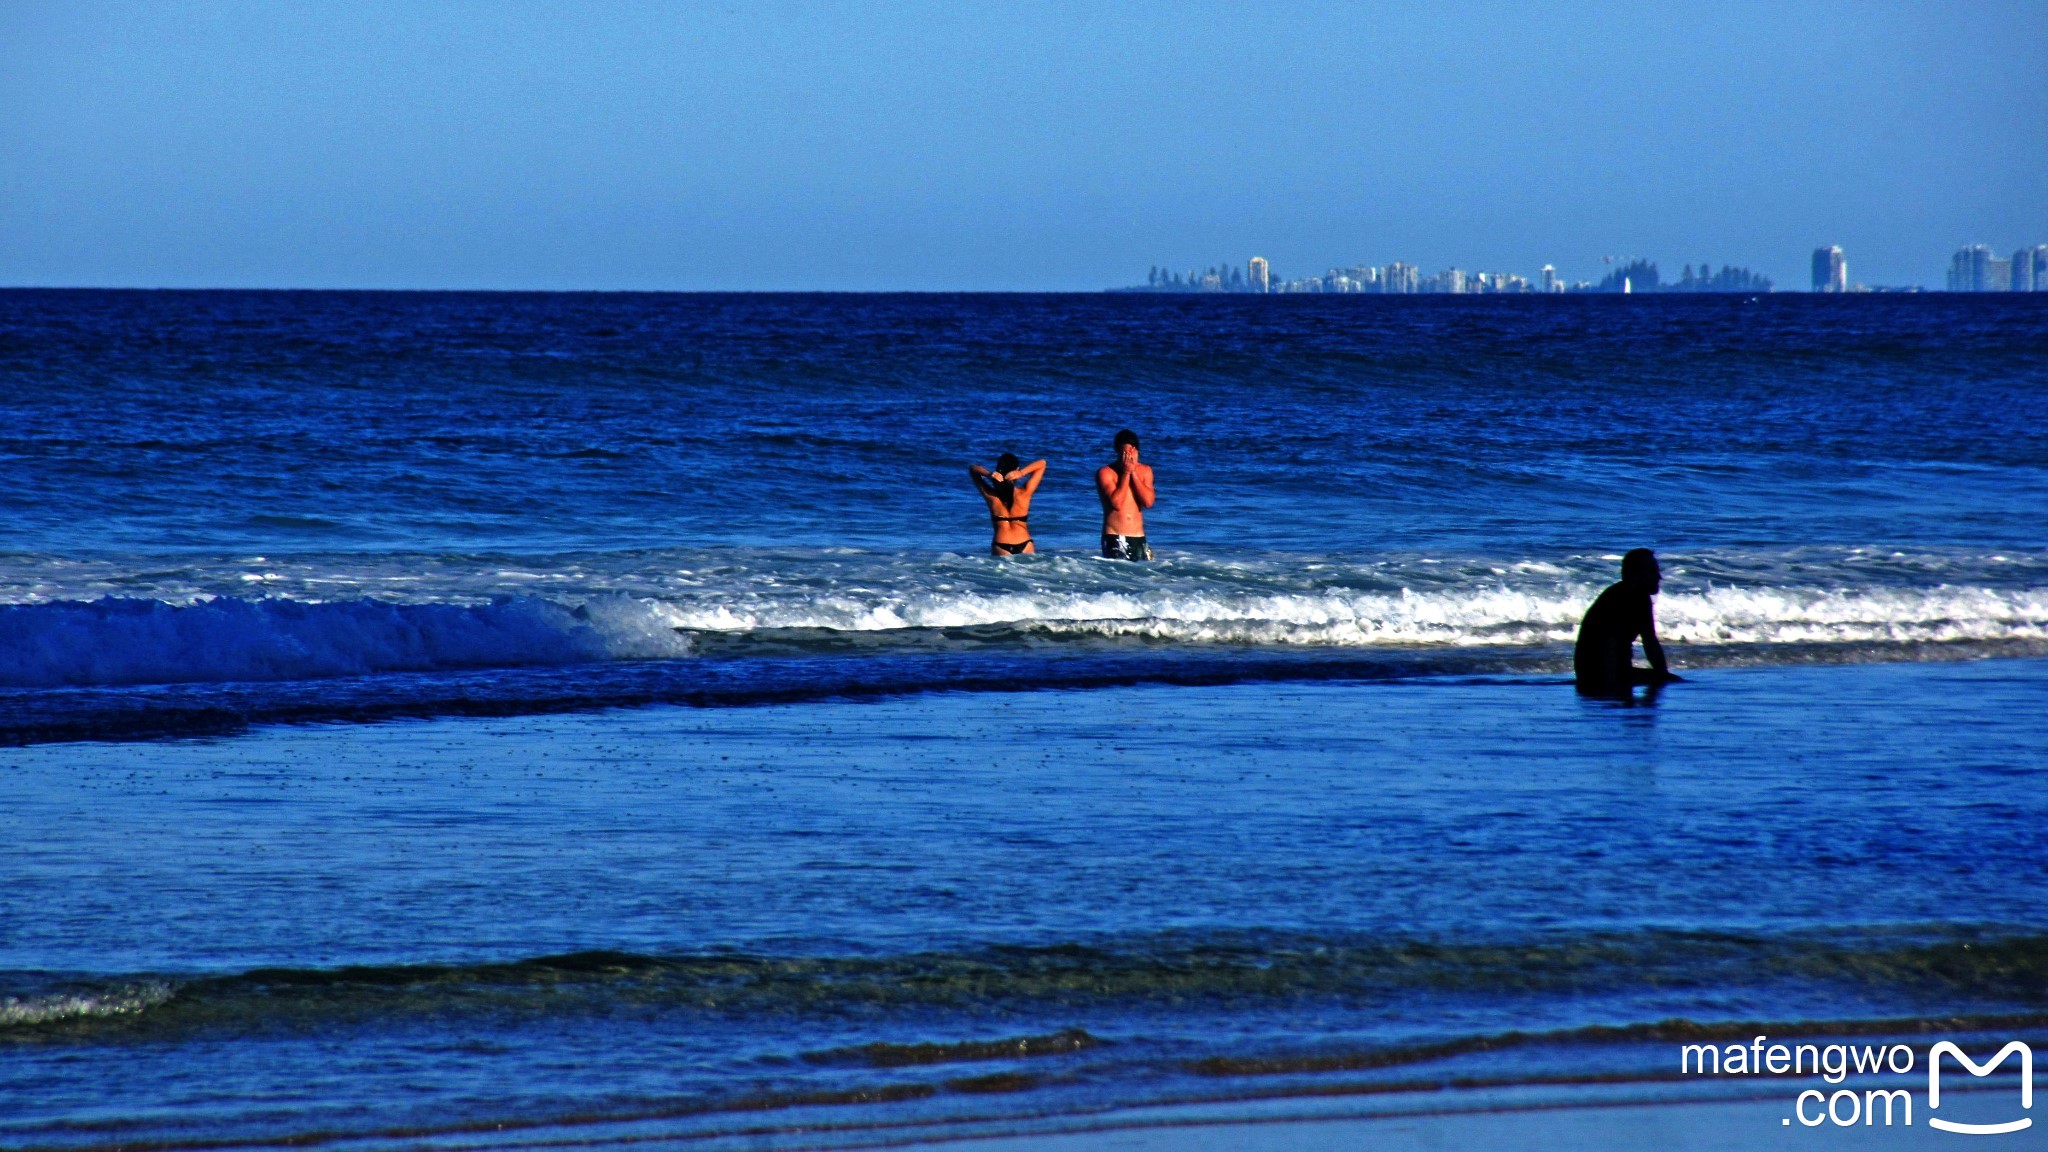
x,y
435,720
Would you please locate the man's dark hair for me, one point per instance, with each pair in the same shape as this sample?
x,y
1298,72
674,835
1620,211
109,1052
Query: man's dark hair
x,y
1124,437
1637,564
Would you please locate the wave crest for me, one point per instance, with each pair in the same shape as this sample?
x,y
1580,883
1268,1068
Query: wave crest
x,y
1496,616
116,1000
1986,967
128,641
441,616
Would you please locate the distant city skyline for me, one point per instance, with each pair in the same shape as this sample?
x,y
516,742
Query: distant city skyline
x,y
1976,268
1401,278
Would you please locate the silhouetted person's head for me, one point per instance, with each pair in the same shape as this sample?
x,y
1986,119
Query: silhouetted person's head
x,y
1639,570
1125,439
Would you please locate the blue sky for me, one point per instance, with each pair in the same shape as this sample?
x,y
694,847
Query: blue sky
x,y
1003,146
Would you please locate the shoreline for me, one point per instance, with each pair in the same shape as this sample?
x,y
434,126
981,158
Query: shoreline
x,y
1719,1125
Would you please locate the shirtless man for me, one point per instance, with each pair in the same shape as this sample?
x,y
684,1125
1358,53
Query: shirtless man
x,y
1603,661
1126,491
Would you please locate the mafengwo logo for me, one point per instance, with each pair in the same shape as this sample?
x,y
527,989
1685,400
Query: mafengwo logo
x,y
1945,1048
1847,1107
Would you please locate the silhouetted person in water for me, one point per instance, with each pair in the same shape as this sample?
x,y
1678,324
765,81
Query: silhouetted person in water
x,y
1603,661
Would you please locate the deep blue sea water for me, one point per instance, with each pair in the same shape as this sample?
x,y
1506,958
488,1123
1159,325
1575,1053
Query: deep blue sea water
x,y
597,715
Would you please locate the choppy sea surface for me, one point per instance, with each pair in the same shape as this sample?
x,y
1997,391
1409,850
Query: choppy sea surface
x,y
590,718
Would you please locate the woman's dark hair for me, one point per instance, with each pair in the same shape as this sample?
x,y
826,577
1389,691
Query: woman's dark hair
x,y
1007,464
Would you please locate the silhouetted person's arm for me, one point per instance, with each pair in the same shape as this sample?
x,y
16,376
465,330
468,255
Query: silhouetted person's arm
x,y
1651,648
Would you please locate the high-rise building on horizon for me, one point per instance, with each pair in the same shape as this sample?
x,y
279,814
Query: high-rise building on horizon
x,y
1975,269
1550,281
2030,269
1962,267
1259,274
1830,270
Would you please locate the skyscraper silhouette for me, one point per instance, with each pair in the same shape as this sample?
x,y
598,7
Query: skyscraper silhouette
x,y
1830,270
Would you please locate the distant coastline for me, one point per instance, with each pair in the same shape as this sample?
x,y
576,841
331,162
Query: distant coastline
x,y
1972,269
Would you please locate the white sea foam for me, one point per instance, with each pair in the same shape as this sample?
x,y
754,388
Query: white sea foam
x,y
56,1007
1481,616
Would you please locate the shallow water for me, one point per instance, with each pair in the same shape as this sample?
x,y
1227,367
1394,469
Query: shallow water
x,y
893,833
1122,897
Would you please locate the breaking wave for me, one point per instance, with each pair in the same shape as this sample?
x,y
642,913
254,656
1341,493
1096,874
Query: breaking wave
x,y
1172,972
133,641
1490,617
110,1001
127,641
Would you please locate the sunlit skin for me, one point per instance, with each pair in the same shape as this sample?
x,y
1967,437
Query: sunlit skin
x,y
1009,530
1125,488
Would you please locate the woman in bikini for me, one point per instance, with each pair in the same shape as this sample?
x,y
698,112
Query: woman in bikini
x,y
1007,491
